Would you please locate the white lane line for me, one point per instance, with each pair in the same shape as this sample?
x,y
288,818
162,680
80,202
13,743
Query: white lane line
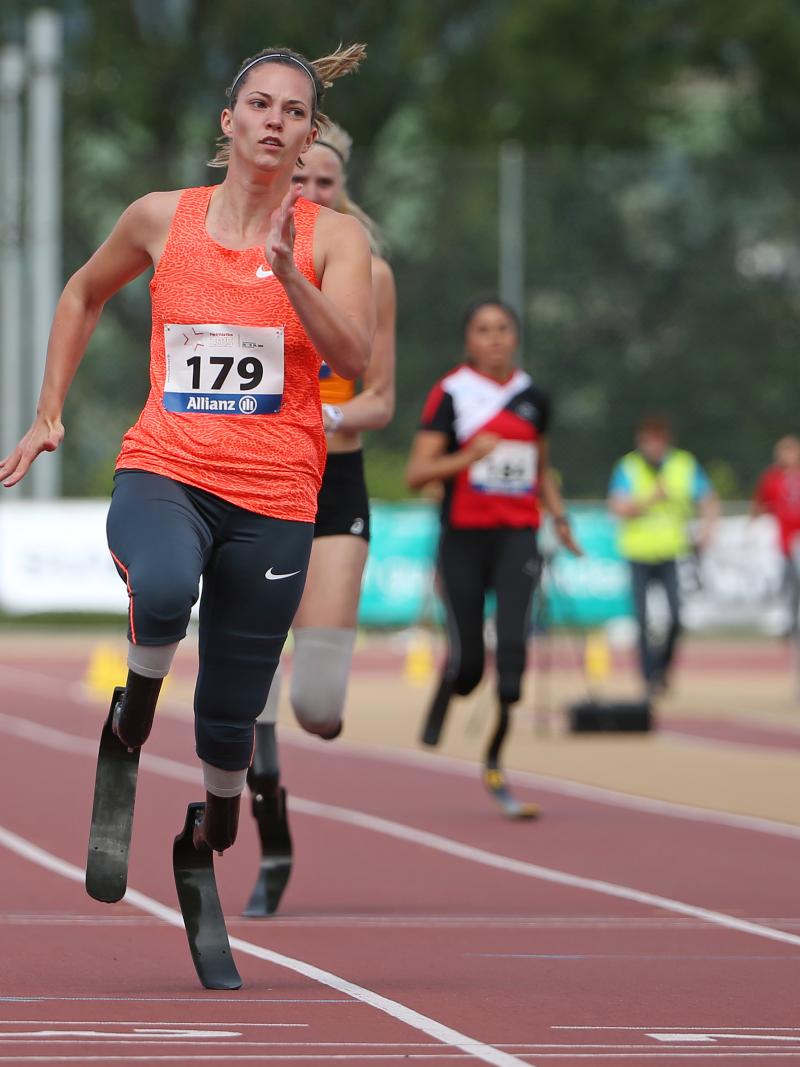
x,y
158,1024
534,870
422,922
468,769
349,1057
183,772
177,1000
596,793
445,1034
520,1049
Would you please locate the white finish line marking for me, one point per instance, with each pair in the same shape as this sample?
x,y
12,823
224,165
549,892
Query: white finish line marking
x,y
713,1037
183,772
135,1033
445,1034
349,1057
149,1023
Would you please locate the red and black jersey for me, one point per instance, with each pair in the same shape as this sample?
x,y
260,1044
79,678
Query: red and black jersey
x,y
778,492
502,488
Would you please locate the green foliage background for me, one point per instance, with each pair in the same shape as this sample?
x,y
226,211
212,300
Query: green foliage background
x,y
661,224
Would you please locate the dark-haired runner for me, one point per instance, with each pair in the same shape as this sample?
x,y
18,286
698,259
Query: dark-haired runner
x,y
484,435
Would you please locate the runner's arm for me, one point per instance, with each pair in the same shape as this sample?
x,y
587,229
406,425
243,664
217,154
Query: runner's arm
x,y
430,461
373,407
552,500
339,316
125,254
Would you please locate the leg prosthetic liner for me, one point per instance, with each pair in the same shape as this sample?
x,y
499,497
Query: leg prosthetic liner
x,y
126,728
320,672
493,777
269,811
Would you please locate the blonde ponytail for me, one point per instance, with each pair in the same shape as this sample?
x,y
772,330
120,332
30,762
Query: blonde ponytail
x,y
337,64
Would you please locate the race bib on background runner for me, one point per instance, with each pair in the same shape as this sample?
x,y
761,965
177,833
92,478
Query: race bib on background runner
x,y
214,369
509,469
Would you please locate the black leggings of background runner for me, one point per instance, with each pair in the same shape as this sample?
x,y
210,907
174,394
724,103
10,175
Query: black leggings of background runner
x,y
164,536
470,563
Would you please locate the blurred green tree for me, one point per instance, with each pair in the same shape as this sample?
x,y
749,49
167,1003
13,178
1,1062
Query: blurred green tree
x,y
661,228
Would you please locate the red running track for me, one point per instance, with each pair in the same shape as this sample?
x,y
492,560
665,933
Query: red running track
x,y
598,934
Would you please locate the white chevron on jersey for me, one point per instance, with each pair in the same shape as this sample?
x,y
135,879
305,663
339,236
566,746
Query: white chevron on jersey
x,y
477,399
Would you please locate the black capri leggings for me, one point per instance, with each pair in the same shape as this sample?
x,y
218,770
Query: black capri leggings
x,y
164,536
470,563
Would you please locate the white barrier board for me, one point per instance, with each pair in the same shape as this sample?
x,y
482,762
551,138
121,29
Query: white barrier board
x,y
54,557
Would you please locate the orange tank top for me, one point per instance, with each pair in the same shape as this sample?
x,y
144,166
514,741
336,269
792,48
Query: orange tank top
x,y
234,402
332,388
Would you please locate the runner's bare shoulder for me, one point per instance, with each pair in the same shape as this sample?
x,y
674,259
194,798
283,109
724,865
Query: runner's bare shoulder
x,y
148,219
334,231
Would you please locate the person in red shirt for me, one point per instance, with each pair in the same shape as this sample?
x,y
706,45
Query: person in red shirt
x,y
483,434
778,494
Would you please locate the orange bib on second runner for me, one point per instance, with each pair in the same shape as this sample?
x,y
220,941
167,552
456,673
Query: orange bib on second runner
x,y
332,388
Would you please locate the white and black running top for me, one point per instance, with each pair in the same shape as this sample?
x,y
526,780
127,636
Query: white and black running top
x,y
502,488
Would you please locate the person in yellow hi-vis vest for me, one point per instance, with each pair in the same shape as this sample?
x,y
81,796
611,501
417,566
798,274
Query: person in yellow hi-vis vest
x,y
655,491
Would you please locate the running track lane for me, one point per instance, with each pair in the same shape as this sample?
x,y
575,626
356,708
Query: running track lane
x,y
512,957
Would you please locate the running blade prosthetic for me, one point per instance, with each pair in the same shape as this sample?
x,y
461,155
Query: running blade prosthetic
x,y
112,814
200,907
495,782
276,854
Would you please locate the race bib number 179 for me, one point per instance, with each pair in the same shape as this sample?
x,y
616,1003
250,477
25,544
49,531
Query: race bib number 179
x,y
214,369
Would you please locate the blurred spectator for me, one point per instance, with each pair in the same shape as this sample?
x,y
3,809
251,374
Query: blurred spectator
x,y
654,491
778,494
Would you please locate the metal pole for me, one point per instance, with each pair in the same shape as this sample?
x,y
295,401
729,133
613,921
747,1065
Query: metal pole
x,y
43,218
511,266
12,67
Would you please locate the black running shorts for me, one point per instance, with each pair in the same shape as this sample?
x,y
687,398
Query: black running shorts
x,y
343,503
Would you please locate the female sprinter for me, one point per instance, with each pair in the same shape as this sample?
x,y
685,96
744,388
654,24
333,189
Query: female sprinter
x,y
324,628
219,476
484,435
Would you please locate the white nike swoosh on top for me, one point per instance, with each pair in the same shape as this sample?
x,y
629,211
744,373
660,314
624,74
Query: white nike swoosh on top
x,y
270,576
262,272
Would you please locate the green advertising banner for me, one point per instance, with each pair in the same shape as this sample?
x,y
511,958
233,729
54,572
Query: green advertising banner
x,y
398,584
593,588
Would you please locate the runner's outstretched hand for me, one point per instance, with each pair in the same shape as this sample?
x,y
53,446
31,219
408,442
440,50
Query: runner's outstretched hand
x,y
45,435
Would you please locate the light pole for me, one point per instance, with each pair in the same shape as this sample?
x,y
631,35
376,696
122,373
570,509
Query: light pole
x,y
12,72
43,215
511,222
